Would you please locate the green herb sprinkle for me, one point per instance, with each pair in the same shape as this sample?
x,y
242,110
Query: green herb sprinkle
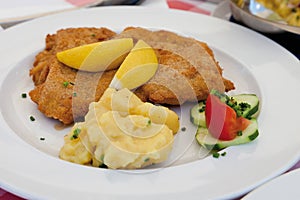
x,y
216,155
32,118
66,83
24,95
75,133
239,133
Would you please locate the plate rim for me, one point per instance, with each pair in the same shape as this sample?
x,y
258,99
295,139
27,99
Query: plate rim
x,y
259,191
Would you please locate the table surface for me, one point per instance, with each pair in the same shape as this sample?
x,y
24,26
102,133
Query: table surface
x,y
288,40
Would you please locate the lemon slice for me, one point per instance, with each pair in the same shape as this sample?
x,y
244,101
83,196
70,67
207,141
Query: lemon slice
x,y
98,56
138,67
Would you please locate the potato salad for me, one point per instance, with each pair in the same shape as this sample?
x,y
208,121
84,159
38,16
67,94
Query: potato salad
x,y
121,132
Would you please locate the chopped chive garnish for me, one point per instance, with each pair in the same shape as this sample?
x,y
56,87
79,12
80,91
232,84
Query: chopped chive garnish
x,y
216,155
239,133
223,154
74,94
66,83
202,109
75,133
149,122
147,159
103,166
244,105
93,35
32,118
24,95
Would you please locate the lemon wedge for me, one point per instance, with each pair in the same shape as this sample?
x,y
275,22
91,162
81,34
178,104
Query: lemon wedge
x,y
138,67
98,56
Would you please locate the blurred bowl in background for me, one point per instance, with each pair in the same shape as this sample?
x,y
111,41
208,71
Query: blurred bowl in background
x,y
259,18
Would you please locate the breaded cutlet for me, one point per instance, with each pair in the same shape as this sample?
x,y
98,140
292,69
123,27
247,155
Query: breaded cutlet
x,y
61,92
187,71
187,68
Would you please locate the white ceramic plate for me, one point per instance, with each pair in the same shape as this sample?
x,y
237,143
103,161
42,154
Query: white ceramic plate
x,y
286,185
30,167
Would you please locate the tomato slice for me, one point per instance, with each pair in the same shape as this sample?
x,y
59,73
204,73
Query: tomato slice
x,y
221,119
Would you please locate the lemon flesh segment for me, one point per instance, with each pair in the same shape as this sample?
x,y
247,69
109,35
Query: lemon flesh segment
x,y
139,67
98,56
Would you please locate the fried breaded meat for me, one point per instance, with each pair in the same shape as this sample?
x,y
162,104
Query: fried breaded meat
x,y
187,72
61,92
187,68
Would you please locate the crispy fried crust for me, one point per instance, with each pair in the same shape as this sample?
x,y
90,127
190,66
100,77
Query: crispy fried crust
x,y
187,71
56,99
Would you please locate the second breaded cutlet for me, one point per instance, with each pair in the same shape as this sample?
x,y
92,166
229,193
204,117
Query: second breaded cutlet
x,y
187,68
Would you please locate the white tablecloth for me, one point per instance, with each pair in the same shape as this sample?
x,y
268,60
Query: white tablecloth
x,y
14,11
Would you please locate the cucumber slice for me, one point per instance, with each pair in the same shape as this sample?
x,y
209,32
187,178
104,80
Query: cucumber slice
x,y
197,115
250,99
205,139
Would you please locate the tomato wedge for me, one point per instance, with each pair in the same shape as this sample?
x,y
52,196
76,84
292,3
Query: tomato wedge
x,y
222,120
